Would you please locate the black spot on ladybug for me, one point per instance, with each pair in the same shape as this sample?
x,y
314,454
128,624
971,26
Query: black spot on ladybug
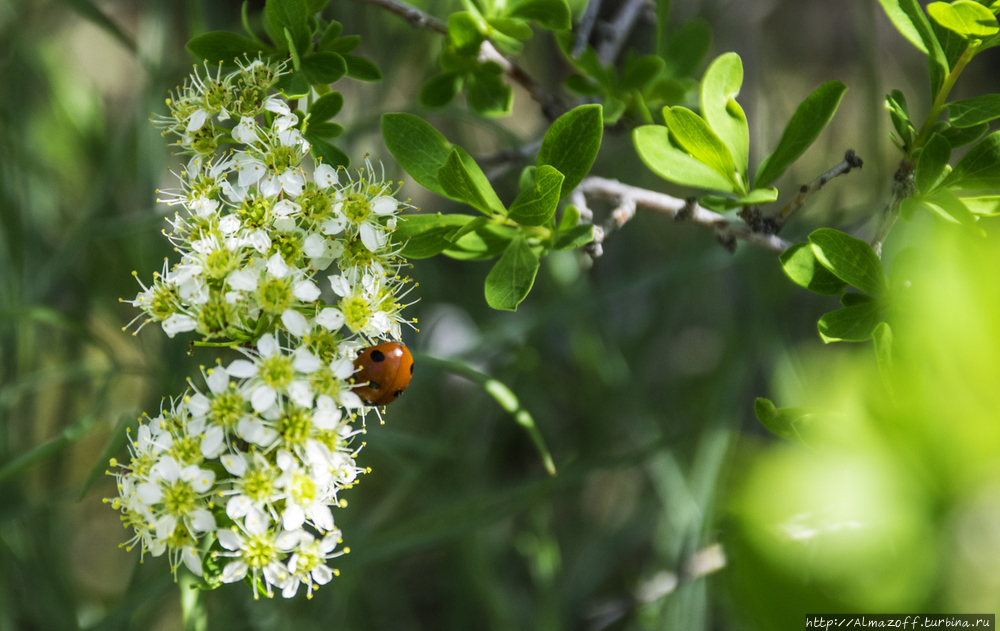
x,y
411,369
397,393
373,385
378,356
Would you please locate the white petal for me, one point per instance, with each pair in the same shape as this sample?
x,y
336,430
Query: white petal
x,y
256,521
149,493
304,361
384,205
286,208
341,286
241,369
250,172
213,443
242,280
269,186
306,291
321,517
314,246
277,266
217,380
292,182
229,540
293,517
326,176
291,588
203,481
333,226
198,405
178,323
191,560
350,400
267,345
326,419
330,319
289,540
285,461
164,526
342,368
322,574
300,393
260,241
166,468
198,118
370,238
230,224
237,506
275,573
234,571
295,323
234,464
329,542
275,104
202,520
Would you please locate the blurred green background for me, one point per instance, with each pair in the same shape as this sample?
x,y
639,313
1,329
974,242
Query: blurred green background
x,y
640,367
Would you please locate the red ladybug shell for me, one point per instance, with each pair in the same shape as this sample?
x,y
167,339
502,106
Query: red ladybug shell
x,y
383,372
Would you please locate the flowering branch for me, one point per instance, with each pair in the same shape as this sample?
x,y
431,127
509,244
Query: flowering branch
x,y
631,198
552,107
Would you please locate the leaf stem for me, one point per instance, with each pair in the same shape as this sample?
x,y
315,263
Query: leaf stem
x,y
942,96
502,395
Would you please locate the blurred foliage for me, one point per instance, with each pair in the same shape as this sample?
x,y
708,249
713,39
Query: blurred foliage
x,y
640,370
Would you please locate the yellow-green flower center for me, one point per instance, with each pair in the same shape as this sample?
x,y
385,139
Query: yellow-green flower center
x,y
227,408
279,159
165,301
259,552
294,426
276,371
179,498
275,296
258,485
255,211
356,208
356,312
289,245
315,204
187,450
303,489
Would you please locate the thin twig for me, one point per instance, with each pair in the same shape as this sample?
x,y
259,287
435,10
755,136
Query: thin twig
x,y
850,161
621,26
413,15
630,198
585,27
902,187
552,107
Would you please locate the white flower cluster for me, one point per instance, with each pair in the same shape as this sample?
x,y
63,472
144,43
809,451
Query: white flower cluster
x,y
237,481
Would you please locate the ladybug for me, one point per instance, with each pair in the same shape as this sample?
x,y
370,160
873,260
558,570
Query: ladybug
x,y
383,372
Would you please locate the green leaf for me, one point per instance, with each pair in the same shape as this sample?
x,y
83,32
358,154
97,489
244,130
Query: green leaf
x,y
427,235
698,139
980,168
324,68
965,17
851,299
571,144
584,86
787,423
719,88
465,32
512,27
687,47
986,206
292,15
326,107
553,15
801,265
758,196
574,237
293,85
321,149
570,218
802,130
326,130
343,45
419,148
910,20
959,137
361,69
639,71
900,116
222,46
536,205
850,324
315,6
332,32
459,184
440,90
482,243
510,280
475,224
932,162
950,207
970,112
851,260
488,95
656,149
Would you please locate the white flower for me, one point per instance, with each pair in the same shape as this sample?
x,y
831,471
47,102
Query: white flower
x,y
178,323
330,319
246,131
295,323
306,291
326,176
